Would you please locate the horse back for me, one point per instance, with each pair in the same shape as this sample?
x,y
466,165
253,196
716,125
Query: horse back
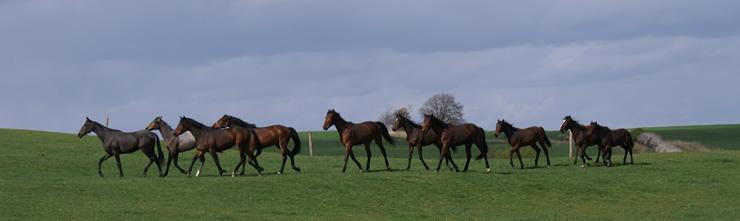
x,y
272,135
460,134
124,142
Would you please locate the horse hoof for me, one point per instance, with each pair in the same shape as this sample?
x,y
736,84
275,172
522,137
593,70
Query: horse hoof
x,y
389,168
488,170
583,166
297,169
197,173
279,173
436,171
361,171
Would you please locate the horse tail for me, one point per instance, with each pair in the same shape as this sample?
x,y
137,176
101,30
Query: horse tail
x,y
630,143
547,141
296,141
484,146
384,130
159,149
257,142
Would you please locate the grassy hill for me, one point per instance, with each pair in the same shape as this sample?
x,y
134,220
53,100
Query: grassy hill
x,y
53,175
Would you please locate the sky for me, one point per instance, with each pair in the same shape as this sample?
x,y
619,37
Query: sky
x,y
625,64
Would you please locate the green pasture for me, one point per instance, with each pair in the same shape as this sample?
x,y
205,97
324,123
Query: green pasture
x,y
47,175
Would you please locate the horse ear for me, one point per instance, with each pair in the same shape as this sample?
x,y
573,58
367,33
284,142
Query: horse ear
x,y
87,118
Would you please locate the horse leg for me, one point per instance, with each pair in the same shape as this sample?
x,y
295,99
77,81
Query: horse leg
x,y
448,157
411,153
197,155
118,162
547,155
105,157
284,152
379,142
441,156
214,154
292,162
468,155
583,153
256,164
606,156
369,156
242,161
511,158
520,159
598,153
537,155
352,155
421,157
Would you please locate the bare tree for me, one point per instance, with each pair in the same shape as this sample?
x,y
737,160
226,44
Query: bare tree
x,y
389,116
444,107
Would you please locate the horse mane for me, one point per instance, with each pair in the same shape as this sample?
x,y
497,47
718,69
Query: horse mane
x,y
574,121
413,124
240,122
103,126
194,123
338,115
509,125
437,121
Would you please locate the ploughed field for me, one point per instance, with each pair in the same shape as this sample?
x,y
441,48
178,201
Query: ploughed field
x,y
54,175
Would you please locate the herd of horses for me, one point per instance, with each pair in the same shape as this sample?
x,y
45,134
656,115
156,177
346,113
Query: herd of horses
x,y
230,131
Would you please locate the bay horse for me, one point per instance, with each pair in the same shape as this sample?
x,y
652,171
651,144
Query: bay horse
x,y
351,134
518,137
579,137
116,142
453,135
415,137
175,144
213,140
611,138
277,135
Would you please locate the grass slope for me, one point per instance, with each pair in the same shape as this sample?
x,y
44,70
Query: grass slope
x,y
52,175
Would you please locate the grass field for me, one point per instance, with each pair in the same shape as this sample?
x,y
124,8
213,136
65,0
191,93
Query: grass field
x,y
54,176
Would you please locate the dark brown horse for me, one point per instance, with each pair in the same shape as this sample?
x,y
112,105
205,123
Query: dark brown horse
x,y
175,144
611,138
213,140
454,135
116,142
518,137
351,134
415,137
275,135
582,141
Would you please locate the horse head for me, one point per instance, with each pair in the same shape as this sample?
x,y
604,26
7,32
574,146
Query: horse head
x,y
593,127
428,121
564,127
155,124
223,122
86,128
182,126
330,120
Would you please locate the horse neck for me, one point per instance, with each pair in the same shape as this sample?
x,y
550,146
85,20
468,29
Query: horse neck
x,y
198,131
341,125
101,131
509,130
438,127
576,128
166,131
410,128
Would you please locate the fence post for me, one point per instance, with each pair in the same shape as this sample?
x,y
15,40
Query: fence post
x,y
106,122
570,140
310,143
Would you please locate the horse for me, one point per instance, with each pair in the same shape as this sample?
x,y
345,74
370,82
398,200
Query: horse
x,y
175,144
453,135
213,140
518,137
415,137
116,142
582,141
610,138
351,134
277,135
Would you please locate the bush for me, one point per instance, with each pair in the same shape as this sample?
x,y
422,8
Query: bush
x,y
636,132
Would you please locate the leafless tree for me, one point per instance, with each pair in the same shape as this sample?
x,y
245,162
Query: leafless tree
x,y
389,116
444,107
